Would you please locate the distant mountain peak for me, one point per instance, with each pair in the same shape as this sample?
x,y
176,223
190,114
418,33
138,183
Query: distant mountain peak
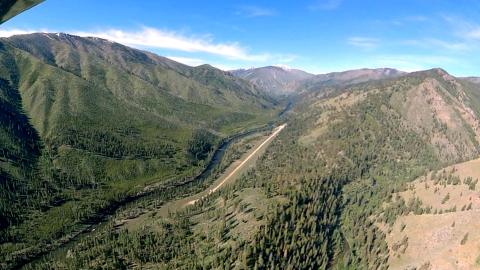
x,y
276,79
349,77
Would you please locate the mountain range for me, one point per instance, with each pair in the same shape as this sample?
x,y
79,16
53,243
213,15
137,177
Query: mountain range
x,y
86,123
333,184
282,81
274,79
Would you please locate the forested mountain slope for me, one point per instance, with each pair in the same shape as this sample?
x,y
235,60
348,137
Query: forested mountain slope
x,y
86,122
20,148
315,198
112,65
360,144
438,107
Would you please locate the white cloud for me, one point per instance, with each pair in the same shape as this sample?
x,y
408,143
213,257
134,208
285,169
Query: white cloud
x,y
187,60
162,39
433,43
152,38
463,29
473,33
13,32
453,46
148,37
363,42
255,11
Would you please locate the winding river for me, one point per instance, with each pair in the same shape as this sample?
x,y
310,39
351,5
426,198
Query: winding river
x,y
101,218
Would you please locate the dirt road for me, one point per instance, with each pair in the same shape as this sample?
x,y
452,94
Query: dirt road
x,y
240,166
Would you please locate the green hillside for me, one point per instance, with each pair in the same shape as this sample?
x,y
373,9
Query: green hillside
x,y
326,138
86,123
120,69
315,196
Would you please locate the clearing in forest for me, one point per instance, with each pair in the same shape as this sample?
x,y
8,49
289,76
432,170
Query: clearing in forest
x,y
444,233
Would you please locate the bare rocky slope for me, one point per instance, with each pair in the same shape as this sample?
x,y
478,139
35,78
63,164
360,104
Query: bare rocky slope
x,y
281,81
276,80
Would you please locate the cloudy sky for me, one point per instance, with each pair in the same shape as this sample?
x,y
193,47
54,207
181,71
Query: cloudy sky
x,y
315,35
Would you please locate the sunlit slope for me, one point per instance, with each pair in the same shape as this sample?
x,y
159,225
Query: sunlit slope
x,y
320,195
86,122
121,68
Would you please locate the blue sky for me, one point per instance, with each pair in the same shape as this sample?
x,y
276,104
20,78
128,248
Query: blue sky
x,y
315,35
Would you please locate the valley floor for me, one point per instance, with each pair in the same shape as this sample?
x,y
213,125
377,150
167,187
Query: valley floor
x,y
153,212
230,174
